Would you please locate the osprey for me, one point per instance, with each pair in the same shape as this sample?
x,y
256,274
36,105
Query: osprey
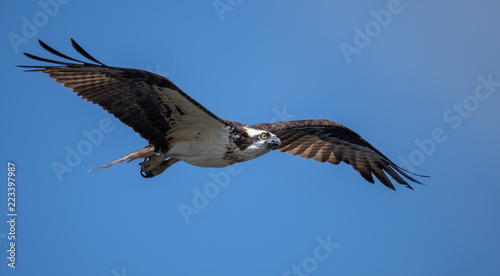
x,y
178,128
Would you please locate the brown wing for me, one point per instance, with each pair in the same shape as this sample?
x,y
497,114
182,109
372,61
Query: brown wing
x,y
151,104
327,141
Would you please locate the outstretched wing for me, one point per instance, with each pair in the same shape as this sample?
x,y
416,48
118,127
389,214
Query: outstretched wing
x,y
151,104
327,141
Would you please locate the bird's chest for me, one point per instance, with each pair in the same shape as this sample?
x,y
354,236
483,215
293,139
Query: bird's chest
x,y
205,149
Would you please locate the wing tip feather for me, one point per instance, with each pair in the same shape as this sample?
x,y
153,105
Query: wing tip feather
x,y
84,53
51,50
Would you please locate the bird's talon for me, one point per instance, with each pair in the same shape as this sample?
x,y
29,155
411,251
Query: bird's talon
x,y
146,174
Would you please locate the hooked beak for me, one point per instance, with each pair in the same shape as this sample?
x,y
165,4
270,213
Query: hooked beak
x,y
274,143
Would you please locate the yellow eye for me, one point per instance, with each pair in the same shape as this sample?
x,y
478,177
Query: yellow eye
x,y
263,136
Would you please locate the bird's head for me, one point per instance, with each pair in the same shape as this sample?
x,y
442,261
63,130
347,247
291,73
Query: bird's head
x,y
263,140
255,142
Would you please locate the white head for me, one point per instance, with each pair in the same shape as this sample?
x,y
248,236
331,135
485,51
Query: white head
x,y
256,143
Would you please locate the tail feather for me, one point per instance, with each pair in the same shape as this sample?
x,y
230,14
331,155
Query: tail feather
x,y
145,152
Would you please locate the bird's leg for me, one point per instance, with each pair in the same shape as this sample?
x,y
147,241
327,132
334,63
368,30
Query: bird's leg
x,y
158,169
152,162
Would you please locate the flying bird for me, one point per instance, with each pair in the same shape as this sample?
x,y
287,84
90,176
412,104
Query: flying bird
x,y
178,128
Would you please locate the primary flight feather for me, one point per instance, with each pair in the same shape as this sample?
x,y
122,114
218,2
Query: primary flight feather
x,y
178,128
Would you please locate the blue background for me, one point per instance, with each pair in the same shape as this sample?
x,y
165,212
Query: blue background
x,y
260,61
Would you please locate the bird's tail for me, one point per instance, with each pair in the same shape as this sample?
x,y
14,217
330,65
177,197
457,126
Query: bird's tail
x,y
145,152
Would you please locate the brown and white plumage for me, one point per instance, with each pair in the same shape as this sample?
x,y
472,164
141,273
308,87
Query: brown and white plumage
x,y
327,141
178,128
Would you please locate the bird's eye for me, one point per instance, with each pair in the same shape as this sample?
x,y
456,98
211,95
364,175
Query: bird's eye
x,y
263,136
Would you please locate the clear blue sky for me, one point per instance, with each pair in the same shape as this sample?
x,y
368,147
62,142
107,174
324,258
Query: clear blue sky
x,y
418,79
